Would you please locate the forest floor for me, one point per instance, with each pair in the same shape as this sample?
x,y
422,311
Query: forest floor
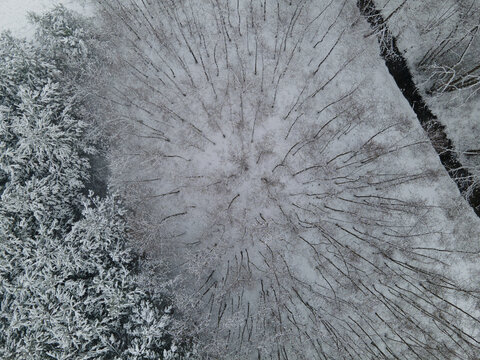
x,y
266,212
458,111
450,157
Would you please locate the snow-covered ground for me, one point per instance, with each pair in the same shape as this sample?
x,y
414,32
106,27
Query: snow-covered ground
x,y
421,26
278,173
13,13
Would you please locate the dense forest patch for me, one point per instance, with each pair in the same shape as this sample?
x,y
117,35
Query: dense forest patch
x,y
68,288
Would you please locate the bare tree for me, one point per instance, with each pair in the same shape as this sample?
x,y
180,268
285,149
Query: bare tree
x,y
274,189
448,41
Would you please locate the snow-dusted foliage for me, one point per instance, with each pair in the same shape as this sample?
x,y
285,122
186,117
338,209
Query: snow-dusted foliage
x,y
291,198
71,294
64,35
67,277
42,148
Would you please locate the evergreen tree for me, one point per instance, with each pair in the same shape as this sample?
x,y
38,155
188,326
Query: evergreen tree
x,y
67,277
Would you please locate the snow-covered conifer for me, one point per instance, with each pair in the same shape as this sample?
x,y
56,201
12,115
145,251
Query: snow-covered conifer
x,y
68,287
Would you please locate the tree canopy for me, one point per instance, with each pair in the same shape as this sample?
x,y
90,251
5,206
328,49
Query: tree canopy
x,y
68,286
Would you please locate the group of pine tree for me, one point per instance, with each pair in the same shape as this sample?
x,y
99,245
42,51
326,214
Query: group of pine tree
x,y
68,286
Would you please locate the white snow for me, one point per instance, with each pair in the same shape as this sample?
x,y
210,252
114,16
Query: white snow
x,y
289,204
357,182
13,13
420,26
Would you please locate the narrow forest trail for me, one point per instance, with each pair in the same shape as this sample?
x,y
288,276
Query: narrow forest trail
x,y
398,68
